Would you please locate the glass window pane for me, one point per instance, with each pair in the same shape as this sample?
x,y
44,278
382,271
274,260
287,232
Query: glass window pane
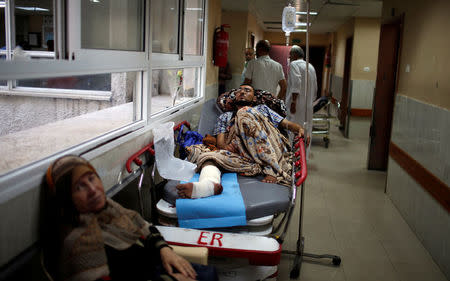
x,y
2,28
32,128
164,26
173,86
193,27
99,82
34,25
112,25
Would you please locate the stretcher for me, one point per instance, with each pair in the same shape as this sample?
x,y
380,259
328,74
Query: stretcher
x,y
321,119
260,245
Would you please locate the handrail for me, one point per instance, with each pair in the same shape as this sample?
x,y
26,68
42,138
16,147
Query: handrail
x,y
301,175
149,147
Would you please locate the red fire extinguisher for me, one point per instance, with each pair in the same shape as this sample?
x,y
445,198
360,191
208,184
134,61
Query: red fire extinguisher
x,y
220,43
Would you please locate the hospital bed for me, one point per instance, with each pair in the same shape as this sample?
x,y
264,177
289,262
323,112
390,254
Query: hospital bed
x,y
321,119
260,240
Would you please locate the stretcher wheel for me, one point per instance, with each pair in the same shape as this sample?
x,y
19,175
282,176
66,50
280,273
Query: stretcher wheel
x,y
327,141
337,261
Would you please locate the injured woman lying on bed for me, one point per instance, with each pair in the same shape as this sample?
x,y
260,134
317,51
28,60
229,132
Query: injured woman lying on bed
x,y
248,142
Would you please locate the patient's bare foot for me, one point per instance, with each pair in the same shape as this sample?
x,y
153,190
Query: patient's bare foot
x,y
185,189
269,179
217,188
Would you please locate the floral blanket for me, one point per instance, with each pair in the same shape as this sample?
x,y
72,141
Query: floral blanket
x,y
260,148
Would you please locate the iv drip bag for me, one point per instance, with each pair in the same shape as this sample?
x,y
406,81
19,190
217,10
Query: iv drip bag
x,y
288,19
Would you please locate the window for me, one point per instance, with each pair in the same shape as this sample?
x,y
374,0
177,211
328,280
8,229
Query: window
x,y
36,127
99,82
193,33
91,71
174,86
2,31
113,24
164,25
33,21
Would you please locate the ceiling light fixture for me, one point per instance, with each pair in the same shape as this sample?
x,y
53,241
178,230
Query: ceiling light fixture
x,y
2,4
35,9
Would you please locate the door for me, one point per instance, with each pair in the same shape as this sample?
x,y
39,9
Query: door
x,y
280,53
383,103
344,115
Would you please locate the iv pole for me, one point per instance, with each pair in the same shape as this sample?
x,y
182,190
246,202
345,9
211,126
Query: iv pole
x,y
299,251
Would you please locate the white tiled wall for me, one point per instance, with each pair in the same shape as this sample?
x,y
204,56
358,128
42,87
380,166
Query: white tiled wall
x,y
362,93
422,131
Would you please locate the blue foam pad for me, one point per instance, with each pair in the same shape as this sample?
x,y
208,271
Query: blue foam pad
x,y
223,210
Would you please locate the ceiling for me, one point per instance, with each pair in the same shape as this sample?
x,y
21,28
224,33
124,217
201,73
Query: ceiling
x,y
331,13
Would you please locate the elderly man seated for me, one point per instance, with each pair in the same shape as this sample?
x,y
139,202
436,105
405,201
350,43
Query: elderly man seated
x,y
248,142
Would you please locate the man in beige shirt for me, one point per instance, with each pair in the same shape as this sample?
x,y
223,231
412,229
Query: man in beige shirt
x,y
263,73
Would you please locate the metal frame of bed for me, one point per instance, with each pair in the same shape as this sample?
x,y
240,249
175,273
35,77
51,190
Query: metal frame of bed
x,y
299,175
321,124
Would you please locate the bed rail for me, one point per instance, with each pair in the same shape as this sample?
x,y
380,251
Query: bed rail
x,y
302,173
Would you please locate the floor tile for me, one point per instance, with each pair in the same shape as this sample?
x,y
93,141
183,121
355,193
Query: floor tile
x,y
347,213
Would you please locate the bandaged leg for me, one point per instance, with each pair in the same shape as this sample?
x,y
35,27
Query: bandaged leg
x,y
209,176
207,185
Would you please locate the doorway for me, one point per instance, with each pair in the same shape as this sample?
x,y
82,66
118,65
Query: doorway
x,y
317,58
385,87
280,54
344,116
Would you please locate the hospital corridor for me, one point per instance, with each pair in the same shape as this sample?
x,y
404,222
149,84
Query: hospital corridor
x,y
231,140
348,213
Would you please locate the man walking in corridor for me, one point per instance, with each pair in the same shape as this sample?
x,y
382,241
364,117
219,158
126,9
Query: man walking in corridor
x,y
299,101
263,73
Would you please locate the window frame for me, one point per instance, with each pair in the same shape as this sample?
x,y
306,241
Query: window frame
x,y
89,62
163,61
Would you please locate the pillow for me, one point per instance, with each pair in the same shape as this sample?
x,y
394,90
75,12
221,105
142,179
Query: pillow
x,y
267,98
225,101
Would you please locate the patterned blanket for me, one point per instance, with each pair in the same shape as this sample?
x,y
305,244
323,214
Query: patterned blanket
x,y
261,148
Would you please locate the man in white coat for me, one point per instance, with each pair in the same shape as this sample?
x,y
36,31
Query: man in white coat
x,y
298,101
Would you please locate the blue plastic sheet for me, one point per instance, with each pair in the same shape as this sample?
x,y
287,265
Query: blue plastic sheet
x,y
223,210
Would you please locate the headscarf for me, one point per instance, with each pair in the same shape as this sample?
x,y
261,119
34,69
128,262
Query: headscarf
x,y
83,255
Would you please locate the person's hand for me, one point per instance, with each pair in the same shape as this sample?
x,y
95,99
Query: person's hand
x,y
230,148
293,109
301,132
171,260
